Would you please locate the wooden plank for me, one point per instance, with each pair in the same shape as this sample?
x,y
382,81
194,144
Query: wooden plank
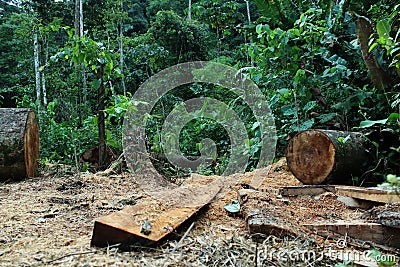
x,y
372,194
165,214
358,203
365,231
310,190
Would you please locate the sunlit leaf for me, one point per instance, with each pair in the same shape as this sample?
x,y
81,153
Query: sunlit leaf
x,y
368,123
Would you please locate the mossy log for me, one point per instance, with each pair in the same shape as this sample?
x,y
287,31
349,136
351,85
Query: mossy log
x,y
19,143
326,156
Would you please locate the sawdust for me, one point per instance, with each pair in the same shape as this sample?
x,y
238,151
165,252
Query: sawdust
x,y
49,221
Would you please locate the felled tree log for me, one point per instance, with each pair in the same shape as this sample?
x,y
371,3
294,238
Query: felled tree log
x,y
326,156
19,143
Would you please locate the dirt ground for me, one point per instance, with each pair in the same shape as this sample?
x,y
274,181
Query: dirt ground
x,y
48,221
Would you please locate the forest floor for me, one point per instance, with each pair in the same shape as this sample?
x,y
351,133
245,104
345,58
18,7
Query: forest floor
x,y
49,221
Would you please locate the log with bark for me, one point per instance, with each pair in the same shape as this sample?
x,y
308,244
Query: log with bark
x,y
19,143
326,156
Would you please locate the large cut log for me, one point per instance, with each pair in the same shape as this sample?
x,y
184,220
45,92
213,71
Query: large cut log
x,y
326,156
19,143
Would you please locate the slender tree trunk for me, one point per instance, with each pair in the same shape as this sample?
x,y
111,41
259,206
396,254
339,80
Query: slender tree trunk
x,y
37,67
190,10
80,18
249,21
45,56
101,119
77,19
78,24
84,80
248,11
44,89
121,50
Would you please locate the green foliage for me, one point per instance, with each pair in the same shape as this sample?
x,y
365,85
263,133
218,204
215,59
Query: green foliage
x,y
64,141
184,40
385,38
115,112
15,60
289,62
392,181
303,55
178,7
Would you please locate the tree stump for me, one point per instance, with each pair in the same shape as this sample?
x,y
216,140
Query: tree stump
x,y
19,143
326,156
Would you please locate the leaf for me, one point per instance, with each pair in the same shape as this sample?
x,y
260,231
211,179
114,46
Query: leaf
x,y
255,125
199,146
234,207
343,140
310,105
306,125
383,28
96,84
368,123
393,117
372,47
326,117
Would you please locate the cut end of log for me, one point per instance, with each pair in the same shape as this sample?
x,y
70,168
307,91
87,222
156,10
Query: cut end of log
x,y
32,145
326,156
19,143
311,156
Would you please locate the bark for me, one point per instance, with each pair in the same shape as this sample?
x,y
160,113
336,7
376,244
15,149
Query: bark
x,y
19,143
318,95
318,156
78,25
80,18
44,63
37,66
101,120
121,52
379,77
190,10
249,21
397,54
77,17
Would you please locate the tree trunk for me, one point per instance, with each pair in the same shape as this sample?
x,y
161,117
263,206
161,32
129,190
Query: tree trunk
x,y
19,143
77,19
37,66
379,77
249,22
326,156
190,10
44,48
121,52
78,24
80,18
101,120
